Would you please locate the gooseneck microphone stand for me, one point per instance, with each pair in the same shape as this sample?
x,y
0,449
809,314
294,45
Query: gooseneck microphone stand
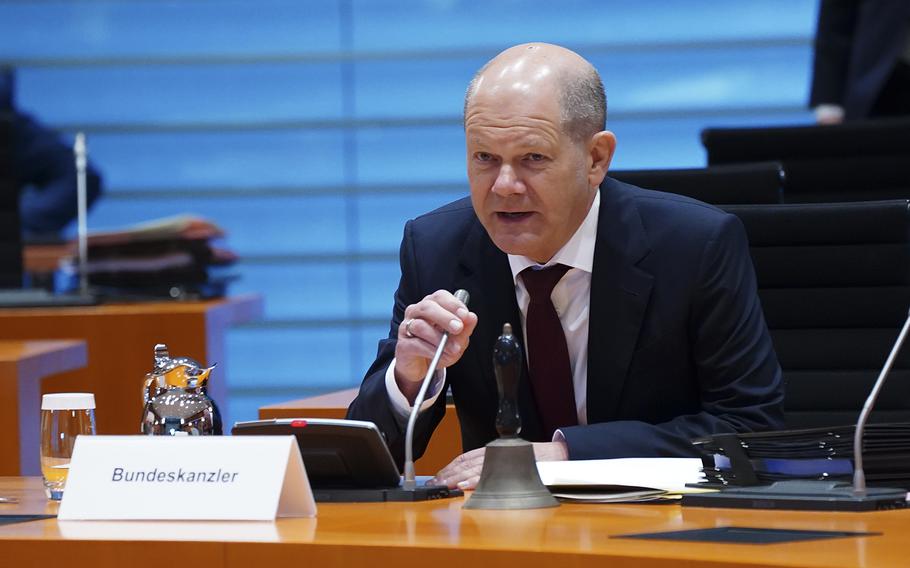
x,y
859,476
410,479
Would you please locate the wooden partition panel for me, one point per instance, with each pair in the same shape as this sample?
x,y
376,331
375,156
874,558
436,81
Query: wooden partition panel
x,y
121,340
23,365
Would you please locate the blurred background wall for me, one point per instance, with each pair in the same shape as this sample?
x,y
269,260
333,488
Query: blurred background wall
x,y
312,129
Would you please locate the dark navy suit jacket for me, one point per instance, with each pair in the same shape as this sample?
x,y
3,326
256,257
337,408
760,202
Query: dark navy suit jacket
x,y
678,346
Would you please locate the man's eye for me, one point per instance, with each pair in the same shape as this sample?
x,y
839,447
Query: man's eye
x,y
483,156
536,157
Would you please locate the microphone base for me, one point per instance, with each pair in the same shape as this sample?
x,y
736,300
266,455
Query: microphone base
x,y
801,495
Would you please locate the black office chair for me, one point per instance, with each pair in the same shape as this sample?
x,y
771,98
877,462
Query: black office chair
x,y
855,178
742,183
782,143
834,281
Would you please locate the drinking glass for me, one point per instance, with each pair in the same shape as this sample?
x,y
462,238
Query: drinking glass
x,y
63,417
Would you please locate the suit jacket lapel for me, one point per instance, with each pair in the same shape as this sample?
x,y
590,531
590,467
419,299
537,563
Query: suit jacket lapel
x,y
486,275
620,291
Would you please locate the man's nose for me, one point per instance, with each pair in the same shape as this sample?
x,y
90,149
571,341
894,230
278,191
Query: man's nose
x,y
507,182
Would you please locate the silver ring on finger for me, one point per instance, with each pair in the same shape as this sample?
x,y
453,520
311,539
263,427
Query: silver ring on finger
x,y
407,327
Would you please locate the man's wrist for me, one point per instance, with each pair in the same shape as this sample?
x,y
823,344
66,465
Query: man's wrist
x,y
399,399
407,388
551,451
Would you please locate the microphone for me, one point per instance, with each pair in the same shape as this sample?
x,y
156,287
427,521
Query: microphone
x,y
80,151
859,476
410,481
820,495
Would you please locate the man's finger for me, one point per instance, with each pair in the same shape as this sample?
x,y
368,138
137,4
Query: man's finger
x,y
462,468
469,483
448,301
442,309
416,328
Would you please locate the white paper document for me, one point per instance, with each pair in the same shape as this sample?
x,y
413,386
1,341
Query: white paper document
x,y
665,474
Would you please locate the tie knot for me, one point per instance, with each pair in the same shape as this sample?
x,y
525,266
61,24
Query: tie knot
x,y
540,283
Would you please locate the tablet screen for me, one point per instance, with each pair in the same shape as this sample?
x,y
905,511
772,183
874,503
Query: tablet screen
x,y
336,452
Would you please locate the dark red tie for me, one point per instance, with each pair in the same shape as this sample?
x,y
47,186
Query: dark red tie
x,y
548,356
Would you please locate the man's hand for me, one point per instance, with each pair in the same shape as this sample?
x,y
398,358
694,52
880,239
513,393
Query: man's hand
x,y
829,114
464,471
420,333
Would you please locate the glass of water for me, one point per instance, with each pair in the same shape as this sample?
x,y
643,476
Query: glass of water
x,y
63,417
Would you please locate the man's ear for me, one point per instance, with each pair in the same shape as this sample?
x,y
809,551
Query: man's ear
x,y
600,154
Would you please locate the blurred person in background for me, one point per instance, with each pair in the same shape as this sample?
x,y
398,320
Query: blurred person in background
x,y
44,170
862,60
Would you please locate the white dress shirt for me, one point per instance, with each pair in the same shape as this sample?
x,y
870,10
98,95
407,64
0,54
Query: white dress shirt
x,y
571,298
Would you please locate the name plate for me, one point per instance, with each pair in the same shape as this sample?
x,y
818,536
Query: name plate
x,y
186,478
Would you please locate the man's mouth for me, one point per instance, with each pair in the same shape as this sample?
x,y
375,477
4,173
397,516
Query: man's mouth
x,y
513,215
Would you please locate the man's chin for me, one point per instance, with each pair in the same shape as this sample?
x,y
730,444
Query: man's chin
x,y
518,246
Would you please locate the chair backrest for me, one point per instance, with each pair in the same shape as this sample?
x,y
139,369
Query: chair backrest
x,y
782,143
742,183
834,281
854,178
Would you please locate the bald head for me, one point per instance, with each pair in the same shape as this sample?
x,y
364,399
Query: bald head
x,y
540,67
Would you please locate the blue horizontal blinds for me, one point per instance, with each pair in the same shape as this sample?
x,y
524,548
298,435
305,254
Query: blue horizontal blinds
x,y
217,160
291,95
255,226
182,96
311,131
116,29
461,24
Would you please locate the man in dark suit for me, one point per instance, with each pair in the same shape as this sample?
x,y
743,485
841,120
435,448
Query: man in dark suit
x,y
659,325
862,60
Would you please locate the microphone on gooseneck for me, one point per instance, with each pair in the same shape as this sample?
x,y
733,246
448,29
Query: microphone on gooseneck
x,y
818,494
859,476
410,479
80,152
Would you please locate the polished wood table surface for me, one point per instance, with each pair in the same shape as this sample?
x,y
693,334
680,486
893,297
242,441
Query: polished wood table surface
x,y
121,340
444,445
442,534
23,366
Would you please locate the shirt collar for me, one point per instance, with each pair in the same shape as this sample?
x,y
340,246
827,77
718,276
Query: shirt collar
x,y
577,253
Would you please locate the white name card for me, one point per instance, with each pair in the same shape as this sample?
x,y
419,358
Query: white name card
x,y
186,478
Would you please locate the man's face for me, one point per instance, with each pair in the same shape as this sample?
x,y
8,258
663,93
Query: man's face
x,y
529,179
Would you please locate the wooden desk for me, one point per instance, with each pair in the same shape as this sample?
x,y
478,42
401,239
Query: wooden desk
x,y
444,445
441,534
23,365
121,340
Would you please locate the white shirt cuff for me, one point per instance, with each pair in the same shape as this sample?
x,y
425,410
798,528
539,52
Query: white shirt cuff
x,y
558,436
828,113
400,404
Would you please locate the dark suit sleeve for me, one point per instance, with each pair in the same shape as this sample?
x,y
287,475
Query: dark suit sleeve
x,y
372,402
736,369
833,42
46,170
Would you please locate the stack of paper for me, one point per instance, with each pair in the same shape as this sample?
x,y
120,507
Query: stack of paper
x,y
813,453
622,479
157,258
